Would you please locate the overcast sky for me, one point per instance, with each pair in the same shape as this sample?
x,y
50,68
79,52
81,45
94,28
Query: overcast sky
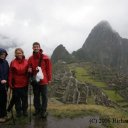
x,y
54,22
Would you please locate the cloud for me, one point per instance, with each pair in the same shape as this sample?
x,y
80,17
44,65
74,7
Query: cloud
x,y
6,42
66,22
6,19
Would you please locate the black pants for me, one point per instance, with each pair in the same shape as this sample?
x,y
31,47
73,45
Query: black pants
x,y
21,96
40,97
3,101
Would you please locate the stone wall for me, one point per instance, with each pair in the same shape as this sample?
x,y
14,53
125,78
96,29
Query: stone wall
x,y
69,90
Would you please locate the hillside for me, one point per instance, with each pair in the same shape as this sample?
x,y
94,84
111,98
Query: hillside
x,y
71,80
94,92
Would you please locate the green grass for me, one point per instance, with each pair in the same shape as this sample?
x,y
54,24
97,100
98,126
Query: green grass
x,y
83,76
60,110
123,103
112,95
80,110
90,100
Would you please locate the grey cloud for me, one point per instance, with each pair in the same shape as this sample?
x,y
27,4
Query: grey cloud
x,y
6,42
66,22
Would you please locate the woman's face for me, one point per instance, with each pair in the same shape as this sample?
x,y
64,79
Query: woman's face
x,y
19,54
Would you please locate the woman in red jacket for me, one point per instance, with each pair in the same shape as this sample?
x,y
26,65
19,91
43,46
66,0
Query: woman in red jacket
x,y
18,81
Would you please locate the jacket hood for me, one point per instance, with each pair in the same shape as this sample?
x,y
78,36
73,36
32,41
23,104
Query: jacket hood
x,y
3,51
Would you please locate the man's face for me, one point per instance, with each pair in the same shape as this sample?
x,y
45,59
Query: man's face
x,y
3,56
36,48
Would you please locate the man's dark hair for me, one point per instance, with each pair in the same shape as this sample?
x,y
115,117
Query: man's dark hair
x,y
36,43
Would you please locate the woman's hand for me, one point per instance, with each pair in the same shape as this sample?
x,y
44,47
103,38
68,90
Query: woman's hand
x,y
3,81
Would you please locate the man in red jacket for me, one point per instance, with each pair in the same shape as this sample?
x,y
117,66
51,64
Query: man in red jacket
x,y
42,61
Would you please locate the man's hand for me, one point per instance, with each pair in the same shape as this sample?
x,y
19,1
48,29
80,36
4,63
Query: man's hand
x,y
30,70
49,82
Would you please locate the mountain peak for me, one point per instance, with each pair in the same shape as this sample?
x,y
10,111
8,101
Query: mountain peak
x,y
60,47
102,28
103,45
102,32
104,24
60,53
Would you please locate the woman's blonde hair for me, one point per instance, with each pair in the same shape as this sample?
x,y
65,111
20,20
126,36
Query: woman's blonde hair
x,y
19,49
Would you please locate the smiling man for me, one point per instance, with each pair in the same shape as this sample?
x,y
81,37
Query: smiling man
x,y
42,61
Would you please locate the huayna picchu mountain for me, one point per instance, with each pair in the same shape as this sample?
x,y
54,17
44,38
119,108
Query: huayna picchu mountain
x,y
103,46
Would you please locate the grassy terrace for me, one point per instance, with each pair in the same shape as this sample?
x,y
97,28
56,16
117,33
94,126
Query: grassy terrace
x,y
72,111
113,96
83,76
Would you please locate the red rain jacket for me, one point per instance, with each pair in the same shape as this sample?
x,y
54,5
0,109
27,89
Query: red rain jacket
x,y
45,66
18,73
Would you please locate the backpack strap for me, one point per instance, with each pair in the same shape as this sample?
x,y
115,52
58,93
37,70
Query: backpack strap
x,y
40,60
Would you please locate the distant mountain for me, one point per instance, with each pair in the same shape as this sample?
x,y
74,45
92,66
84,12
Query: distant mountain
x,y
104,46
60,53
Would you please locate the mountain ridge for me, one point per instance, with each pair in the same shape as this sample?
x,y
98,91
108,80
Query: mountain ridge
x,y
104,46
